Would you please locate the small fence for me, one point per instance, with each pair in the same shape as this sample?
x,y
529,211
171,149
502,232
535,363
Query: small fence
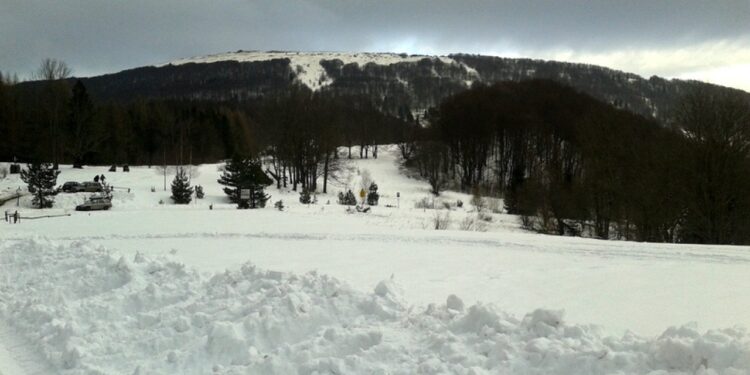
x,y
15,217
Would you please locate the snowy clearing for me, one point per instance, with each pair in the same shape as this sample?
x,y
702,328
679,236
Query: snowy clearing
x,y
175,289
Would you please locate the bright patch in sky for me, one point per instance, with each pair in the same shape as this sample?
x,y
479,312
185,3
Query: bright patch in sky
x,y
721,62
731,75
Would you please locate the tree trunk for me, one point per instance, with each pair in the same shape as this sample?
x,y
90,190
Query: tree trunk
x,y
325,174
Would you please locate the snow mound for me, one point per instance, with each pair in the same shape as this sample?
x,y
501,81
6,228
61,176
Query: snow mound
x,y
91,311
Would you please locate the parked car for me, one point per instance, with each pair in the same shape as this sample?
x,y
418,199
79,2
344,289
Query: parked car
x,y
92,187
72,187
95,203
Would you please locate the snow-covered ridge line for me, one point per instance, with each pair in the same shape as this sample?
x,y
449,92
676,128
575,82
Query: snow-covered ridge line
x,y
93,311
361,58
307,64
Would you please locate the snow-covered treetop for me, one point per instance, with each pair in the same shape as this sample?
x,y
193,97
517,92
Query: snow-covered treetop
x,y
307,64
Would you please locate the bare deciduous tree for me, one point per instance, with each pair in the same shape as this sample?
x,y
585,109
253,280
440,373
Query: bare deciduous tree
x,y
56,93
52,70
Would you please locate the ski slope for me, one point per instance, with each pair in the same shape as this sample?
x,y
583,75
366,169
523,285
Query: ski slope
x,y
531,303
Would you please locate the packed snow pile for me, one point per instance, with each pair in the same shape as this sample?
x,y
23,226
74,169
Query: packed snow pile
x,y
88,310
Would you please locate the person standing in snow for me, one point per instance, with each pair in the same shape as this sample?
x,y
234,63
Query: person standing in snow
x,y
96,178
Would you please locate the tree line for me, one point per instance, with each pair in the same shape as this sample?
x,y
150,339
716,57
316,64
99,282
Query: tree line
x,y
297,131
571,165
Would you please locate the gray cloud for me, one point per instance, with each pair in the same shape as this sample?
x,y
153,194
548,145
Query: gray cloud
x,y
100,36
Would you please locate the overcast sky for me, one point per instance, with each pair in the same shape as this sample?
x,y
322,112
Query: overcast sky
x,y
707,40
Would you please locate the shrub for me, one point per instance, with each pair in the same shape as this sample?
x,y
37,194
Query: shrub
x,y
483,216
279,205
471,223
347,199
425,203
493,204
304,196
468,223
441,221
477,200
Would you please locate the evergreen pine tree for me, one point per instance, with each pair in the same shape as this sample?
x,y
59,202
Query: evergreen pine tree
x,y
256,181
41,178
242,173
230,178
373,196
182,192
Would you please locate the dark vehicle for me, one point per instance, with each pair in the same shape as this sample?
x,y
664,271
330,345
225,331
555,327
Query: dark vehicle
x,y
92,187
72,187
95,203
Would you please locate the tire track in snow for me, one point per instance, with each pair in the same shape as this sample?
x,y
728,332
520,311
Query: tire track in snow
x,y
561,246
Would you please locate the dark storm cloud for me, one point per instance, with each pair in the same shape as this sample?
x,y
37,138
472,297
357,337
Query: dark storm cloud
x,y
105,36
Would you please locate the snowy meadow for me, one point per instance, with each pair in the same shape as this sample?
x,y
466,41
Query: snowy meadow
x,y
150,287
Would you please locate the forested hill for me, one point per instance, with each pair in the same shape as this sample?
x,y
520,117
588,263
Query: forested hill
x,y
401,85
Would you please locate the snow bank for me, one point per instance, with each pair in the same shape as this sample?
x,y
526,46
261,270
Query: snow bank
x,y
91,311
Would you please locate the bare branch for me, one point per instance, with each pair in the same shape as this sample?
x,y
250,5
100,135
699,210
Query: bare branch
x,y
52,69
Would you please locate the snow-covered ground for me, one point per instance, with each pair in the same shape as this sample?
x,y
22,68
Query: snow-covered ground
x,y
185,289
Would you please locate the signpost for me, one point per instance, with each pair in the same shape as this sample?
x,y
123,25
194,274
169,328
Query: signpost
x,y
244,194
244,199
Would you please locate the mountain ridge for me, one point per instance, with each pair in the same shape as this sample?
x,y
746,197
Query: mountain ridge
x,y
399,84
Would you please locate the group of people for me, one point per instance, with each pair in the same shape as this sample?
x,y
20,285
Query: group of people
x,y
99,179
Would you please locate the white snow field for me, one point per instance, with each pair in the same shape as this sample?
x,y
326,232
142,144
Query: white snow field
x,y
149,288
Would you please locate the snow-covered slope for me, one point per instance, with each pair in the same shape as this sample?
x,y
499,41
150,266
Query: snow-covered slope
x,y
307,64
